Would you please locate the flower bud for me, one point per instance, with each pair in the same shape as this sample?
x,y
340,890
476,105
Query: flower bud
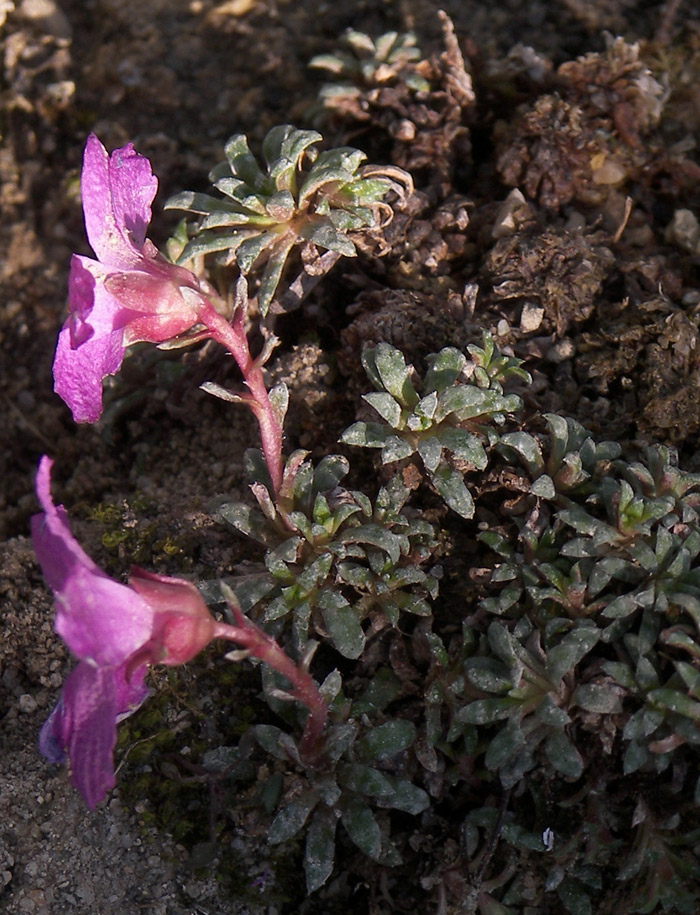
x,y
182,623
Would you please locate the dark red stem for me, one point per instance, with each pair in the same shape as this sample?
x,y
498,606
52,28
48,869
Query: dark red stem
x,y
233,337
251,637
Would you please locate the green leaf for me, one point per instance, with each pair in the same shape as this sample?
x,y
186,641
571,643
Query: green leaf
x,y
249,250
636,756
488,674
198,203
279,401
425,408
563,755
503,644
559,428
504,746
642,724
343,625
386,406
396,449
245,520
249,223
527,448
620,672
595,697
389,368
320,849
646,674
621,606
375,535
244,165
280,206
329,471
407,797
382,689
362,828
290,819
213,242
549,713
364,780
544,488
386,740
464,445
486,711
572,649
276,742
340,738
272,273
289,142
444,368
430,451
450,485
325,235
675,702
574,898
365,435
690,676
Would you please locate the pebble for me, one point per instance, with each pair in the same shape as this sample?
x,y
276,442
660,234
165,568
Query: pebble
x,y
47,15
563,349
27,704
531,317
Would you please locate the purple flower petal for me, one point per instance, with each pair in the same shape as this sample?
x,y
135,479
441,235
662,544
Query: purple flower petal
x,y
117,192
90,346
130,293
98,618
158,310
78,373
84,725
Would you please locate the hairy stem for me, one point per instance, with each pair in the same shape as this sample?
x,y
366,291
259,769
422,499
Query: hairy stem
x,y
249,636
233,337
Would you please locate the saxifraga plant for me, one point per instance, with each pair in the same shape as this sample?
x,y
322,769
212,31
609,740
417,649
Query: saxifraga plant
x,y
565,672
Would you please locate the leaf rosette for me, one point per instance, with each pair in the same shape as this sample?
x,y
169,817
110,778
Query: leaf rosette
x,y
333,558
452,414
300,196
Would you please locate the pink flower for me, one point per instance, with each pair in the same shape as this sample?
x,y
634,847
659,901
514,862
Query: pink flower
x,y
129,293
115,631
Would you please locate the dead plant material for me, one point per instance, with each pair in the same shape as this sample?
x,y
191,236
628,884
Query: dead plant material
x,y
652,348
561,271
588,138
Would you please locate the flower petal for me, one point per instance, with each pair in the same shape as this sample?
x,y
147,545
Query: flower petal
x,y
98,618
78,373
117,192
158,311
91,343
182,625
84,724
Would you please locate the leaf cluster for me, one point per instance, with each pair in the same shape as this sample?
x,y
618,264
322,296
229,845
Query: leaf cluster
x,y
362,62
299,196
334,559
452,414
613,545
531,690
363,776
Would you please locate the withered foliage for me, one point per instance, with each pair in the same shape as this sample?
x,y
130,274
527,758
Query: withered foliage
x,y
589,136
423,106
561,271
655,343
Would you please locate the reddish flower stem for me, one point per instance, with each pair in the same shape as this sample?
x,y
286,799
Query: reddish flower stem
x,y
233,337
249,636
